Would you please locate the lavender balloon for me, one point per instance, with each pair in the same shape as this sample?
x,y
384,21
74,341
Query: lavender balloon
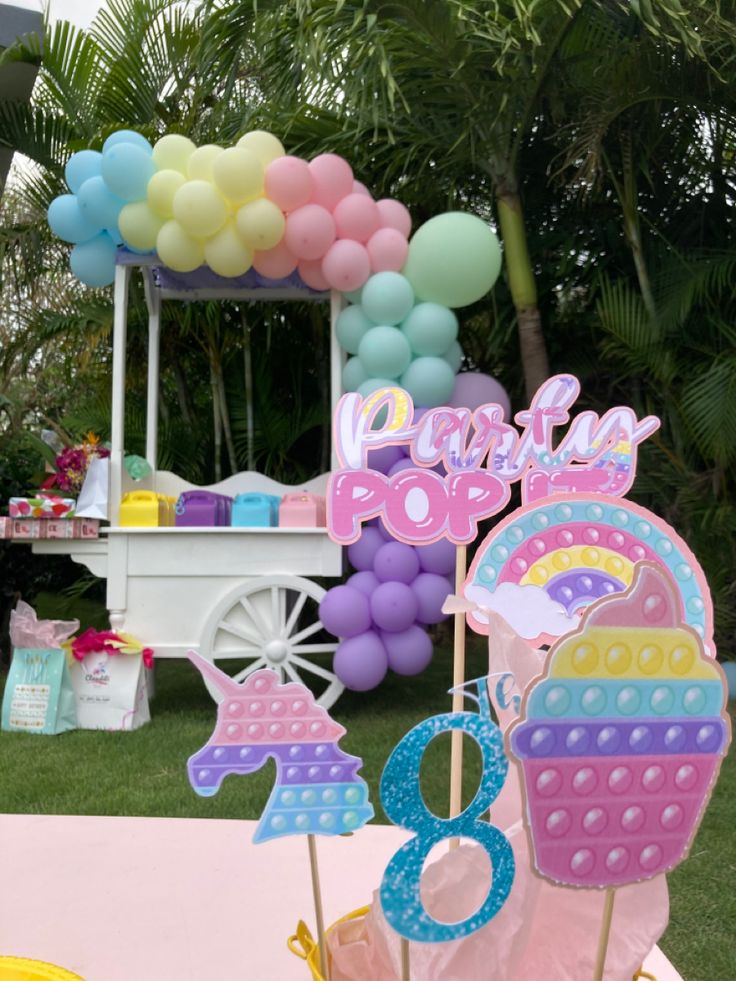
x,y
430,591
345,611
394,606
473,389
383,458
362,552
395,562
361,662
365,581
409,652
439,557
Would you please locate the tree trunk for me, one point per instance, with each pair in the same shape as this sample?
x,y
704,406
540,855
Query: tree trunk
x,y
248,383
225,416
217,424
523,288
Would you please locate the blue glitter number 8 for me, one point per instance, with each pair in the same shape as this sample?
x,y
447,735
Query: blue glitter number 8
x,y
402,800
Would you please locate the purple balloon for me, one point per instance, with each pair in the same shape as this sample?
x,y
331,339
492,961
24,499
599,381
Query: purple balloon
x,y
405,463
395,562
362,552
365,581
473,389
394,606
345,611
383,458
361,662
408,652
438,557
430,591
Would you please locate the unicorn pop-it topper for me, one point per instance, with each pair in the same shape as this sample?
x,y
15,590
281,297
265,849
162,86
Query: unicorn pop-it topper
x,y
621,740
317,789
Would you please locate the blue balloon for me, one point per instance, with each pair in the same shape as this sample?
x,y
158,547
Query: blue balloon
x,y
353,374
127,170
99,204
80,167
93,262
127,136
114,232
429,381
454,357
67,221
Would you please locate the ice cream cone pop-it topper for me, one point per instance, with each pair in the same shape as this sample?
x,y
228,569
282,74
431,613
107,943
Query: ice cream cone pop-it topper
x,y
621,740
317,789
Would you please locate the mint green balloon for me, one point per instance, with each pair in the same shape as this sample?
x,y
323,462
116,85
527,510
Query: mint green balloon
x,y
430,329
429,381
454,259
385,352
350,328
454,357
387,298
353,374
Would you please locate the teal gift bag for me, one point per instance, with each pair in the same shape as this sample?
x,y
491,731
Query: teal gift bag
x,y
39,695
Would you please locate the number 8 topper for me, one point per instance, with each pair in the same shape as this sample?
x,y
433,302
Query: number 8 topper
x,y
404,804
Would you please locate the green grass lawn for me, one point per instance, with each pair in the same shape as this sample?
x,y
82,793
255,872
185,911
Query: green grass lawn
x,y
143,773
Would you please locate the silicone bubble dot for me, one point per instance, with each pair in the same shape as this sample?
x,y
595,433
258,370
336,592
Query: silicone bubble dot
x,y
500,553
686,777
256,708
335,771
578,740
202,775
326,820
628,700
585,583
617,859
664,546
675,739
563,512
487,573
694,700
321,750
276,729
292,772
637,553
591,536
288,798
557,700
277,707
297,728
640,739
352,795
614,565
235,709
313,772
565,594
633,818
683,572
244,753
590,556
329,796
584,659
308,797
561,561
519,565
609,739
662,700
549,782
593,701
350,819
618,658
642,529
298,706
515,534
619,780
608,587
542,742
565,538
671,817
695,604
616,539
540,521
585,781
699,629
255,730
539,575
649,857
263,684
537,547
582,862
234,731
220,753
652,779
682,660
302,821
594,512
595,821
620,518
278,822
317,728
707,738
558,823
650,659
654,608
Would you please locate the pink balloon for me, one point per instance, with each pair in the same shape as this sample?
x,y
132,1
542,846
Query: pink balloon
x,y
346,266
388,250
288,182
394,215
356,217
360,188
310,231
275,263
473,389
311,273
333,179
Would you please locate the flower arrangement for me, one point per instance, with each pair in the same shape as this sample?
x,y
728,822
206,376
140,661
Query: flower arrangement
x,y
111,642
72,463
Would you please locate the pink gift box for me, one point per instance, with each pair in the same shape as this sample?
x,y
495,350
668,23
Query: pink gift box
x,y
302,511
28,528
6,527
72,528
42,506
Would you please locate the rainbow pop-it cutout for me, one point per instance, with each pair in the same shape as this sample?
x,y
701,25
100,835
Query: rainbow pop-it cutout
x,y
621,740
317,789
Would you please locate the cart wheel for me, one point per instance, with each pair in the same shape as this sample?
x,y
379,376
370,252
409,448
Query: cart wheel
x,y
273,622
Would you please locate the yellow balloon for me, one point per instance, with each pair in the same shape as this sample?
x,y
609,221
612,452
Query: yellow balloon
x,y
172,152
260,224
265,145
199,209
161,190
139,226
238,174
225,253
199,165
177,250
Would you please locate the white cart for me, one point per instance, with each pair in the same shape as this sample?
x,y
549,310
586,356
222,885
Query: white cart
x,y
238,595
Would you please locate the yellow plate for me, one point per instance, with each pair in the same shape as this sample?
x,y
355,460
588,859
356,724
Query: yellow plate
x,y
22,969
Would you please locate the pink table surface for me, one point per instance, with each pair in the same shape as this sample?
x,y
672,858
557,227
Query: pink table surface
x,y
149,899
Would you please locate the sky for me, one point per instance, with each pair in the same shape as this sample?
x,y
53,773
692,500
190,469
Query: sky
x,y
79,12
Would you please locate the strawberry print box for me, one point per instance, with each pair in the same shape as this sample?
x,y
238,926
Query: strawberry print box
x,y
43,506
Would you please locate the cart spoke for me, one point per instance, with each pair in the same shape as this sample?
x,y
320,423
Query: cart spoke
x,y
239,632
255,617
288,669
315,649
307,632
230,653
294,615
276,617
313,668
242,675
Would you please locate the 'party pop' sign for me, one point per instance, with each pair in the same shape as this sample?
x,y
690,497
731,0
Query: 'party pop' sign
x,y
481,456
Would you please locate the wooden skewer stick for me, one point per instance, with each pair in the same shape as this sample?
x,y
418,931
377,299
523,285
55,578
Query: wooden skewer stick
x,y
600,961
405,965
458,680
317,891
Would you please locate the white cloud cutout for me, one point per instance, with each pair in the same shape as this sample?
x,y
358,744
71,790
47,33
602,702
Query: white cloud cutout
x,y
528,609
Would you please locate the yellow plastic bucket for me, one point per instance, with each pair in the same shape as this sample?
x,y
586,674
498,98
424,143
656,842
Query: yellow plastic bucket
x,y
303,944
22,969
